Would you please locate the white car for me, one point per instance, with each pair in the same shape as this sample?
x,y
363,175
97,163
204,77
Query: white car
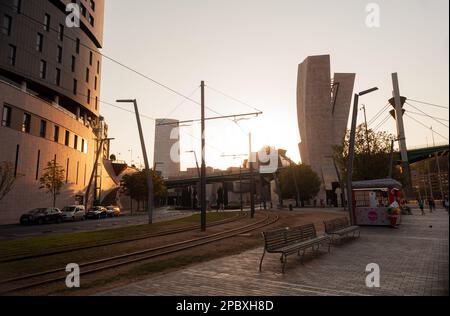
x,y
74,213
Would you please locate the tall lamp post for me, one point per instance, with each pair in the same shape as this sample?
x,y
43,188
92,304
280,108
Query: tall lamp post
x,y
147,167
351,150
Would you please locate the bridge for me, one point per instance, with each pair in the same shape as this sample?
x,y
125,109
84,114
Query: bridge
x,y
419,154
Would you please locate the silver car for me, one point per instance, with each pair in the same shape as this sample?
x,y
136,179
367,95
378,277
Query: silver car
x,y
74,213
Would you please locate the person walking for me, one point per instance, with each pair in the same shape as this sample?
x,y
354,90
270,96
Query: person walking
x,y
446,203
430,205
420,202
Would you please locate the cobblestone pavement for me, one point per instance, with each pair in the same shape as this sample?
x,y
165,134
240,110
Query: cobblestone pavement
x,y
413,260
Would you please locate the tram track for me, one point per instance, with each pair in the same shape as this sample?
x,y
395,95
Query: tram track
x,y
63,250
29,281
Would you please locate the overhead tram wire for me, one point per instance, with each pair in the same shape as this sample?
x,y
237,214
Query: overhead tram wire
x,y
122,65
233,98
427,103
112,60
432,130
427,115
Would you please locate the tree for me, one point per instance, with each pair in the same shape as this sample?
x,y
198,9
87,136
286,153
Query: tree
x,y
53,179
308,182
367,165
135,186
7,178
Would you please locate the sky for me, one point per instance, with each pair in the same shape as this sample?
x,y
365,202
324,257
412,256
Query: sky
x,y
250,50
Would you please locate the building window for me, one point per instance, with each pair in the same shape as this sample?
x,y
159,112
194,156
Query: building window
x,y
91,20
12,55
39,42
89,97
6,116
96,103
82,145
67,170
56,134
17,4
83,10
16,164
77,46
59,54
92,3
37,164
6,28
91,57
43,129
75,86
73,63
26,123
43,69
47,22
87,75
95,82
67,139
58,77
98,67
61,32
75,142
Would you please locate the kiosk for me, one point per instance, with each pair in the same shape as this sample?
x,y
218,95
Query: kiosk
x,y
377,202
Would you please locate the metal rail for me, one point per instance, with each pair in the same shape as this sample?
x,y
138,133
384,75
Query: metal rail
x,y
137,256
118,241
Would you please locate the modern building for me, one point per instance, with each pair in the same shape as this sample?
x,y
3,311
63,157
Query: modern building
x,y
323,105
167,148
50,77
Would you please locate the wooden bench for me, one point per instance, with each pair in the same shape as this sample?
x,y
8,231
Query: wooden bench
x,y
340,227
292,240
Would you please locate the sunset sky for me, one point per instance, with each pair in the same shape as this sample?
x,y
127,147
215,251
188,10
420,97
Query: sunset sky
x,y
250,49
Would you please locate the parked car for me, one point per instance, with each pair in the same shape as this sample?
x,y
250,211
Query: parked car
x,y
113,211
73,213
42,216
96,212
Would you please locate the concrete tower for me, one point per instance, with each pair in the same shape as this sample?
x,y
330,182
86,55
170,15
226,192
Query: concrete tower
x,y
167,148
323,105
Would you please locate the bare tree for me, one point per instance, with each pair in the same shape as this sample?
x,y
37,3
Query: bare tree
x,y
7,178
53,179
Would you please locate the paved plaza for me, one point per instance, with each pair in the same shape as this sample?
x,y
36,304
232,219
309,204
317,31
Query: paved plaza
x,y
413,260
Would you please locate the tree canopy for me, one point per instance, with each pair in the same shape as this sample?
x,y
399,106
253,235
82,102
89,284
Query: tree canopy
x,y
372,158
53,179
308,182
135,186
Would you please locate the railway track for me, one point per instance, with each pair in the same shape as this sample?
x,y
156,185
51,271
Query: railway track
x,y
25,282
62,250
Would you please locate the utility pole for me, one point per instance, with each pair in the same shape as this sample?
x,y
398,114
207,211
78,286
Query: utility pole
x,y
147,172
203,166
252,179
401,133
88,188
391,159
438,166
367,130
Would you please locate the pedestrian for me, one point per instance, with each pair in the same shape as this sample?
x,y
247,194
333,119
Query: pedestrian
x,y
420,202
433,204
446,203
430,205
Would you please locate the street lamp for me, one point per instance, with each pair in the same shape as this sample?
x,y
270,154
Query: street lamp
x,y
351,149
144,153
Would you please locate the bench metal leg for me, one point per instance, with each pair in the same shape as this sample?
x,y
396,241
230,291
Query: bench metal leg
x,y
284,262
303,254
262,258
329,245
